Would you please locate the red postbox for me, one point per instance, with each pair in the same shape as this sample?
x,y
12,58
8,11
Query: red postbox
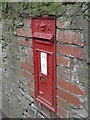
x,y
44,47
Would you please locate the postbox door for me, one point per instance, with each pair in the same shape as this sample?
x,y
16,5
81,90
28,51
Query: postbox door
x,y
45,73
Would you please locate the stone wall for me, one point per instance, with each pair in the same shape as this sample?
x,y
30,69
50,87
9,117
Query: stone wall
x,y
72,60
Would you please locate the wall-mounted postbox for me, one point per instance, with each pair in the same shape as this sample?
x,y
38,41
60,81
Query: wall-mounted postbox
x,y
44,47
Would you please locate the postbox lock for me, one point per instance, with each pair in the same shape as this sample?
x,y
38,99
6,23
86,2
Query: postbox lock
x,y
43,78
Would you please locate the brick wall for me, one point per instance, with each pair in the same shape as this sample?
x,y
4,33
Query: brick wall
x,y
72,66
70,49
70,92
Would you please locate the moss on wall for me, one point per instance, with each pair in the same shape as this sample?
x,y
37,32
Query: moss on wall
x,y
45,9
18,10
34,8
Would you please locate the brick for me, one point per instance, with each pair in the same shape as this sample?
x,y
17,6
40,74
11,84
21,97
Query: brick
x,y
27,75
63,61
24,42
27,22
53,114
46,110
70,87
29,60
71,51
39,115
27,67
31,85
31,92
70,37
62,113
69,97
59,24
62,103
38,104
24,32
63,73
30,52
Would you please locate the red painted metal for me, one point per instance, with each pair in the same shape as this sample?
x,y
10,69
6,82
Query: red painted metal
x,y
44,54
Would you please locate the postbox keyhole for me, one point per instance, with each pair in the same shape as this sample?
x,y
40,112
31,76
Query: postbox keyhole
x,y
42,78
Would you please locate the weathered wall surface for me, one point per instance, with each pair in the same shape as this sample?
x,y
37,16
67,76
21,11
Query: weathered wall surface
x,y
72,60
0,64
